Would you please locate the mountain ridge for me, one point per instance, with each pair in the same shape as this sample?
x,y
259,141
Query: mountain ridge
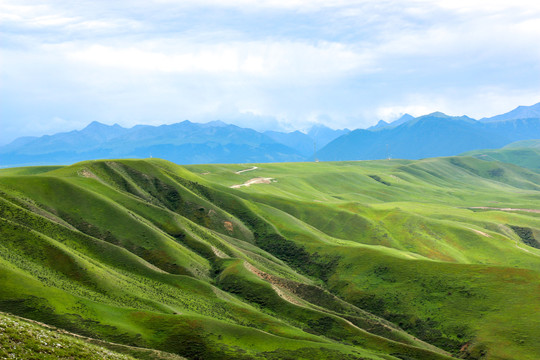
x,y
432,135
184,142
521,112
435,134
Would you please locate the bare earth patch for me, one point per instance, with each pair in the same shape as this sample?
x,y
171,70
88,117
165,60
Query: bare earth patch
x,y
277,285
87,174
286,296
228,225
258,180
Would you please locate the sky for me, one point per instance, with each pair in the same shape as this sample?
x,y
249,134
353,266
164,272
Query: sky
x,y
267,64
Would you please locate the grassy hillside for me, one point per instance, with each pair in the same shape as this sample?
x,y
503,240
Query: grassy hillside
x,y
535,143
524,153
351,260
26,339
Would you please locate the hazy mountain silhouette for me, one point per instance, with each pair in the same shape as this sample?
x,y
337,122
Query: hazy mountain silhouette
x,y
186,142
383,124
431,135
521,112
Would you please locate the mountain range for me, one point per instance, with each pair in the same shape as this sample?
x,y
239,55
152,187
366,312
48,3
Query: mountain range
x,y
431,135
186,142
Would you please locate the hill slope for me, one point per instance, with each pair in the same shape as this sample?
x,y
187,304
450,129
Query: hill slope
x,y
533,143
372,260
528,157
24,339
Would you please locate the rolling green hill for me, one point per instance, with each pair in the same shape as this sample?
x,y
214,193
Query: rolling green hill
x,y
535,143
26,339
521,153
351,260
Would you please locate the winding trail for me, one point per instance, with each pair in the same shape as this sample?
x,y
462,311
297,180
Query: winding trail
x,y
480,232
250,169
282,290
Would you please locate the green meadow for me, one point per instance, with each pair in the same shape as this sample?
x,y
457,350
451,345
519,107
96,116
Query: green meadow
x,y
389,259
526,157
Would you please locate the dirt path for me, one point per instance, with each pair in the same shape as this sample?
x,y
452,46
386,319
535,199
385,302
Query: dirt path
x,y
273,281
250,169
258,180
505,209
480,232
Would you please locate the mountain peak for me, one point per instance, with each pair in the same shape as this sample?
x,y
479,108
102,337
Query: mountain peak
x,y
437,114
95,125
215,123
521,112
381,124
403,118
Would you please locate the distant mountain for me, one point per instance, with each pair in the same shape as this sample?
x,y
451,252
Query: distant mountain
x,y
521,112
306,143
94,136
323,135
297,140
431,135
185,143
383,124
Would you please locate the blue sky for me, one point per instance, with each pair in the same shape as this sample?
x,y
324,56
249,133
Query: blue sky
x,y
269,64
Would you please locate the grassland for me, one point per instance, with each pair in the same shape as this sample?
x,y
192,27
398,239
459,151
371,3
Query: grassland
x,y
24,339
385,259
522,153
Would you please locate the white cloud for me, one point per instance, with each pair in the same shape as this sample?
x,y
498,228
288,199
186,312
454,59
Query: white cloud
x,y
261,59
278,62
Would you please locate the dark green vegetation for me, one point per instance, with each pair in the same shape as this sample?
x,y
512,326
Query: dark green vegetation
x,y
352,260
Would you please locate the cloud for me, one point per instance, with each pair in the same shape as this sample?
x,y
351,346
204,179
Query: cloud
x,y
254,58
276,62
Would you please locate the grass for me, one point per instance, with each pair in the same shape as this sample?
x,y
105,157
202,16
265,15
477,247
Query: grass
x,y
526,156
23,340
348,260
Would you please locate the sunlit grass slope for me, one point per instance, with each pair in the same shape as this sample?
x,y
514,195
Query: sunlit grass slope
x,y
354,260
24,339
527,157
